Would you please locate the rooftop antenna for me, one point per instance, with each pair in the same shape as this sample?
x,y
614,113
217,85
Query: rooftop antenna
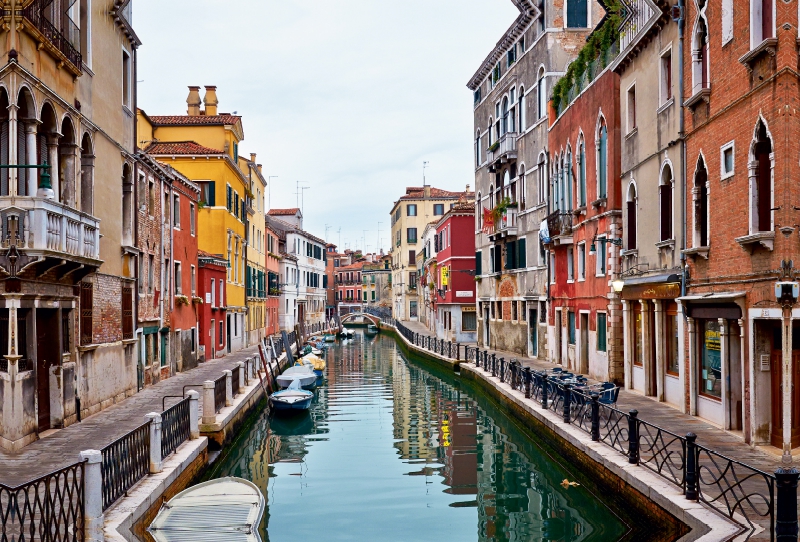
x,y
340,239
379,245
424,165
269,191
303,199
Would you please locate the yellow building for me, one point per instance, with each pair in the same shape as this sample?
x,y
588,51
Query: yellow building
x,y
204,146
256,252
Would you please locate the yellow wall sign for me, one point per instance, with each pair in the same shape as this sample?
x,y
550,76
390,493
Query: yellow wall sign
x,y
445,278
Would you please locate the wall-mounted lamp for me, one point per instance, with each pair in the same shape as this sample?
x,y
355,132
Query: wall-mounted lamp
x,y
595,239
617,284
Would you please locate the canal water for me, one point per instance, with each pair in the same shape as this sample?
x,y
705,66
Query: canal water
x,y
396,449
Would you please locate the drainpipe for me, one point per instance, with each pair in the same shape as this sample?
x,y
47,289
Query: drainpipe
x,y
682,134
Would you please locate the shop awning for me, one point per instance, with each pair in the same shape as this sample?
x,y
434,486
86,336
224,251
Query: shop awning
x,y
653,279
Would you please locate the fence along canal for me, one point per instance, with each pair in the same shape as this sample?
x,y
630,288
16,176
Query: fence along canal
x,y
751,497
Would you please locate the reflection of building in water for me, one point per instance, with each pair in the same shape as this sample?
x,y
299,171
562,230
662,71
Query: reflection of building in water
x,y
458,436
414,413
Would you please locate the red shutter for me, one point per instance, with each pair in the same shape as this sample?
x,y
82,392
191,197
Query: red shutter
x,y
87,297
127,313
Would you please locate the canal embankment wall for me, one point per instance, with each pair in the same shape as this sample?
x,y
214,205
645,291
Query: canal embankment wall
x,y
607,470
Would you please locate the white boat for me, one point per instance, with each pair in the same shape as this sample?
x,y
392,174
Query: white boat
x,y
292,398
302,373
222,509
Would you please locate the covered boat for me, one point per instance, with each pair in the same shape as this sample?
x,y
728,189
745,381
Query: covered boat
x,y
292,398
222,509
317,364
330,338
302,373
372,330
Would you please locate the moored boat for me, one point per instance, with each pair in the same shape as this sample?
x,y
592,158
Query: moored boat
x,y
372,330
305,375
292,398
330,338
221,509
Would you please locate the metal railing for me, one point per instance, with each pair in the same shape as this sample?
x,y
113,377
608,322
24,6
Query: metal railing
x,y
35,13
235,381
50,507
175,427
125,462
219,393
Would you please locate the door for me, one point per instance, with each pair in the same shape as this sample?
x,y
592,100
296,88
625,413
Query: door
x,y
213,350
584,360
651,345
485,325
47,356
533,325
776,433
228,333
557,337
163,349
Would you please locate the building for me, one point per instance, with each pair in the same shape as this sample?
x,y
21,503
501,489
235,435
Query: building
x,y
377,275
652,182
203,145
426,264
349,288
410,213
741,160
303,297
454,276
256,279
584,229
212,276
68,259
273,268
511,89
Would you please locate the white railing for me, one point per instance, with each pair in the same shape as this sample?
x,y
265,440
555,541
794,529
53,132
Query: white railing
x,y
639,12
506,144
48,225
509,220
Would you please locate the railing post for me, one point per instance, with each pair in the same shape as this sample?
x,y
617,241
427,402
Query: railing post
x,y
155,442
241,376
458,352
633,437
567,402
526,377
786,527
228,387
194,414
691,467
595,417
544,391
93,495
209,412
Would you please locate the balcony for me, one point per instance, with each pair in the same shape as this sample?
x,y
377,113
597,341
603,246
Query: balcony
x,y
57,33
52,232
506,226
502,150
559,224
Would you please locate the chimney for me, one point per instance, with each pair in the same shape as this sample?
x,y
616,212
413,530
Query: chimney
x,y
426,191
259,167
193,101
210,100
253,157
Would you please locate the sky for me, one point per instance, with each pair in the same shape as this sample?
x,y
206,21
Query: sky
x,y
347,97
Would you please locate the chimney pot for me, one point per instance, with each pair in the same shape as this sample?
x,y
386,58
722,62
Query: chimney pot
x,y
210,100
193,101
253,157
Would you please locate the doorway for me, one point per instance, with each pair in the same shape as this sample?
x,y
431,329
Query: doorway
x,y
533,324
47,355
485,325
776,373
228,336
584,358
213,352
557,337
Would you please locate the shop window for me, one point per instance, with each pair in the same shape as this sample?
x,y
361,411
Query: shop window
x,y
710,361
469,321
671,334
637,339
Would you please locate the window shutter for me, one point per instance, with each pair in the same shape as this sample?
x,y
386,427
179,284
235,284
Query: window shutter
x,y
127,313
212,193
491,259
478,262
87,306
521,255
509,255
228,195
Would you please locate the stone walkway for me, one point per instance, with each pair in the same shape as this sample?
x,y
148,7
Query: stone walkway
x,y
62,447
729,444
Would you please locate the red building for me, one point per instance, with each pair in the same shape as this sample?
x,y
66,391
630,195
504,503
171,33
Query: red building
x,y
456,318
213,271
273,283
583,232
348,287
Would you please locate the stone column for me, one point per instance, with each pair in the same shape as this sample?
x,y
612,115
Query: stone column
x,y
786,363
228,387
660,349
31,158
682,354
627,343
194,414
13,159
647,350
724,372
242,369
54,160
155,442
87,183
209,413
744,369
68,173
93,495
692,366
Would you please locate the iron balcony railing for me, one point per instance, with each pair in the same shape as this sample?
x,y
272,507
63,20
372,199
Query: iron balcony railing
x,y
65,37
559,223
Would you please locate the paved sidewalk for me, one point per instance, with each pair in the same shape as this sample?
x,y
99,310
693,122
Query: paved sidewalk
x,y
671,419
63,446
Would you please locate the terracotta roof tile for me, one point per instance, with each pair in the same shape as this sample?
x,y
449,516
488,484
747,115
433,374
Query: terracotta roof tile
x,y
179,147
194,120
283,212
436,193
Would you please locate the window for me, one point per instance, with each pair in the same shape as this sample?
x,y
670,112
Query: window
x,y
213,294
700,195
710,360
411,235
582,261
521,45
632,108
602,160
570,265
541,95
511,56
127,314
571,327
541,169
700,56
221,332
476,96
126,79
411,209
727,21
762,26
665,203
523,123
177,278
192,219
581,172
551,258
577,14
151,274
761,181
412,257
207,195
601,256
478,264
438,209
631,212
666,76
142,277
469,321
601,332
176,211
151,198
637,334
726,160
194,281
513,310
87,304
671,334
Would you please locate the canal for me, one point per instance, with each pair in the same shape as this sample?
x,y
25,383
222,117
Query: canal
x,y
397,449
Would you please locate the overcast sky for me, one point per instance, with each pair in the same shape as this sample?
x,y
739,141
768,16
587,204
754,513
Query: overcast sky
x,y
348,97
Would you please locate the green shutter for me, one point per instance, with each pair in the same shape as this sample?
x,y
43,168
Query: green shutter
x,y
521,255
229,196
478,264
212,193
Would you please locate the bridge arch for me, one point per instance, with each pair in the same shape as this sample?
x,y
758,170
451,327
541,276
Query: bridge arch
x,y
351,315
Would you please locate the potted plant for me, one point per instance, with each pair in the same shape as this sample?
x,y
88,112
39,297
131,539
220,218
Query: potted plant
x,y
196,300
181,299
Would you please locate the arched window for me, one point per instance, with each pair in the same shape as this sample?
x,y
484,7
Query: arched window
x,y
502,186
541,95
568,180
478,158
522,108
541,168
478,212
489,132
602,160
700,196
491,196
700,56
577,14
522,188
504,122
760,173
581,172
665,203
631,215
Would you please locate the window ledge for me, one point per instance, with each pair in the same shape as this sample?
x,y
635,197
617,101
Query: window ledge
x,y
632,133
579,211
629,252
666,105
702,95
669,243
130,341
600,202
697,251
88,347
763,238
768,46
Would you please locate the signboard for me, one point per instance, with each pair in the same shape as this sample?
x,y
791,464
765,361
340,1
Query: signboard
x,y
208,297
669,290
445,276
468,308
463,293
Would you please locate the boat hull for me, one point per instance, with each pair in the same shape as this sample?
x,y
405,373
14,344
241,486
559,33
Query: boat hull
x,y
307,380
280,404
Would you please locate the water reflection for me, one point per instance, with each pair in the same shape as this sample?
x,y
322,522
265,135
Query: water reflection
x,y
390,451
